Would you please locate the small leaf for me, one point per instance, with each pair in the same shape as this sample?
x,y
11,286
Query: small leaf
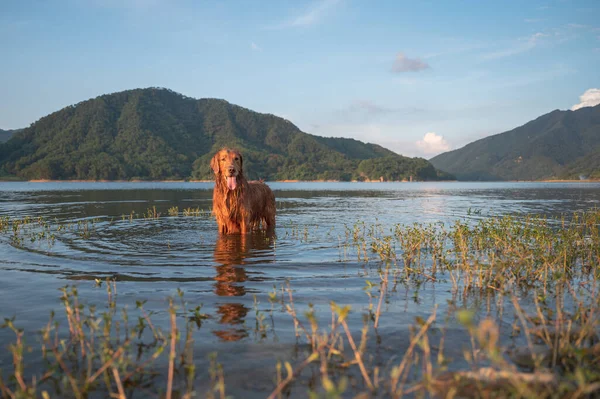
x,y
465,317
288,368
313,356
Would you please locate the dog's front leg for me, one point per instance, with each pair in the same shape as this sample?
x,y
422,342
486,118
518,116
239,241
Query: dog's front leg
x,y
244,226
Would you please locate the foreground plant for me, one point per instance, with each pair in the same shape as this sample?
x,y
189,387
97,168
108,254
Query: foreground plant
x,y
540,273
101,352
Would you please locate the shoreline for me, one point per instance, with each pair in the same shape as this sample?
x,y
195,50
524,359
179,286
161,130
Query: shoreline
x,y
301,181
210,181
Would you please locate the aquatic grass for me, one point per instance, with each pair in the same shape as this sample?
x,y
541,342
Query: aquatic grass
x,y
152,213
487,254
22,231
103,353
97,356
293,230
197,212
28,229
542,272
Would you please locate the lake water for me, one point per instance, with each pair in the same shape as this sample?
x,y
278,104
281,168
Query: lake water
x,y
231,277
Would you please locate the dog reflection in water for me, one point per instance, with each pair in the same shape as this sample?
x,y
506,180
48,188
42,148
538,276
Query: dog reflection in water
x,y
232,253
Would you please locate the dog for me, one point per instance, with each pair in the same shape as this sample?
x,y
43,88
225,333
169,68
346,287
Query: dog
x,y
239,205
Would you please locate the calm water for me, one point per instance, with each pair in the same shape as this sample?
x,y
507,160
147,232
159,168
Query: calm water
x,y
231,277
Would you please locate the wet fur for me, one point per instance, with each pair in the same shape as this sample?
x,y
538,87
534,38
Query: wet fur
x,y
249,206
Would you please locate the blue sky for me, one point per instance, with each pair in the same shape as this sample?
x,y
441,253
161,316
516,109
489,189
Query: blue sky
x,y
418,77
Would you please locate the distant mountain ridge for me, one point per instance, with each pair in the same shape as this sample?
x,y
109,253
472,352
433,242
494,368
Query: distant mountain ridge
x,y
158,134
5,135
557,145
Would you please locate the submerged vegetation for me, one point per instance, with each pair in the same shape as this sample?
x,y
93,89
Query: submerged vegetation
x,y
534,334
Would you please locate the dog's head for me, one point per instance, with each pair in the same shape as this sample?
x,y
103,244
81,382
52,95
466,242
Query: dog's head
x,y
227,165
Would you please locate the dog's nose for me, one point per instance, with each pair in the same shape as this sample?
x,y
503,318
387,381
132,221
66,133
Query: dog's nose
x,y
231,170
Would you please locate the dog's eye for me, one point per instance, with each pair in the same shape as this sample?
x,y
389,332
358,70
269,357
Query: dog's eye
x,y
237,159
223,159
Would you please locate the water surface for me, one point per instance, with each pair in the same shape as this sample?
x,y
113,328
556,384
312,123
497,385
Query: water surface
x,y
231,277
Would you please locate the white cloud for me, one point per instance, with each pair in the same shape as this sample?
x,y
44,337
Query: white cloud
x,y
535,38
313,15
255,47
405,64
521,46
590,98
433,143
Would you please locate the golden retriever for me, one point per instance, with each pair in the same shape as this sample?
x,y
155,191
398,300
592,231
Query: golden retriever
x,y
239,205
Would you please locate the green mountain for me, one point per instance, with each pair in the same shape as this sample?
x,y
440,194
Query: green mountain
x,y
159,134
6,134
561,144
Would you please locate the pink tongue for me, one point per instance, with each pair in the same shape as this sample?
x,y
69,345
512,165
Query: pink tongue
x,y
231,182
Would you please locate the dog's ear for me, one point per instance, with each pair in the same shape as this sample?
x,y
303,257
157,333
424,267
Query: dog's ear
x,y
214,163
241,160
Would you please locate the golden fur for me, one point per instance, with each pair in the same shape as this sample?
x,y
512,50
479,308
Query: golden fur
x,y
239,205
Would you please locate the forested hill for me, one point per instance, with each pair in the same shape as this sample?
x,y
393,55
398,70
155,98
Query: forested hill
x,y
159,134
561,144
6,134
